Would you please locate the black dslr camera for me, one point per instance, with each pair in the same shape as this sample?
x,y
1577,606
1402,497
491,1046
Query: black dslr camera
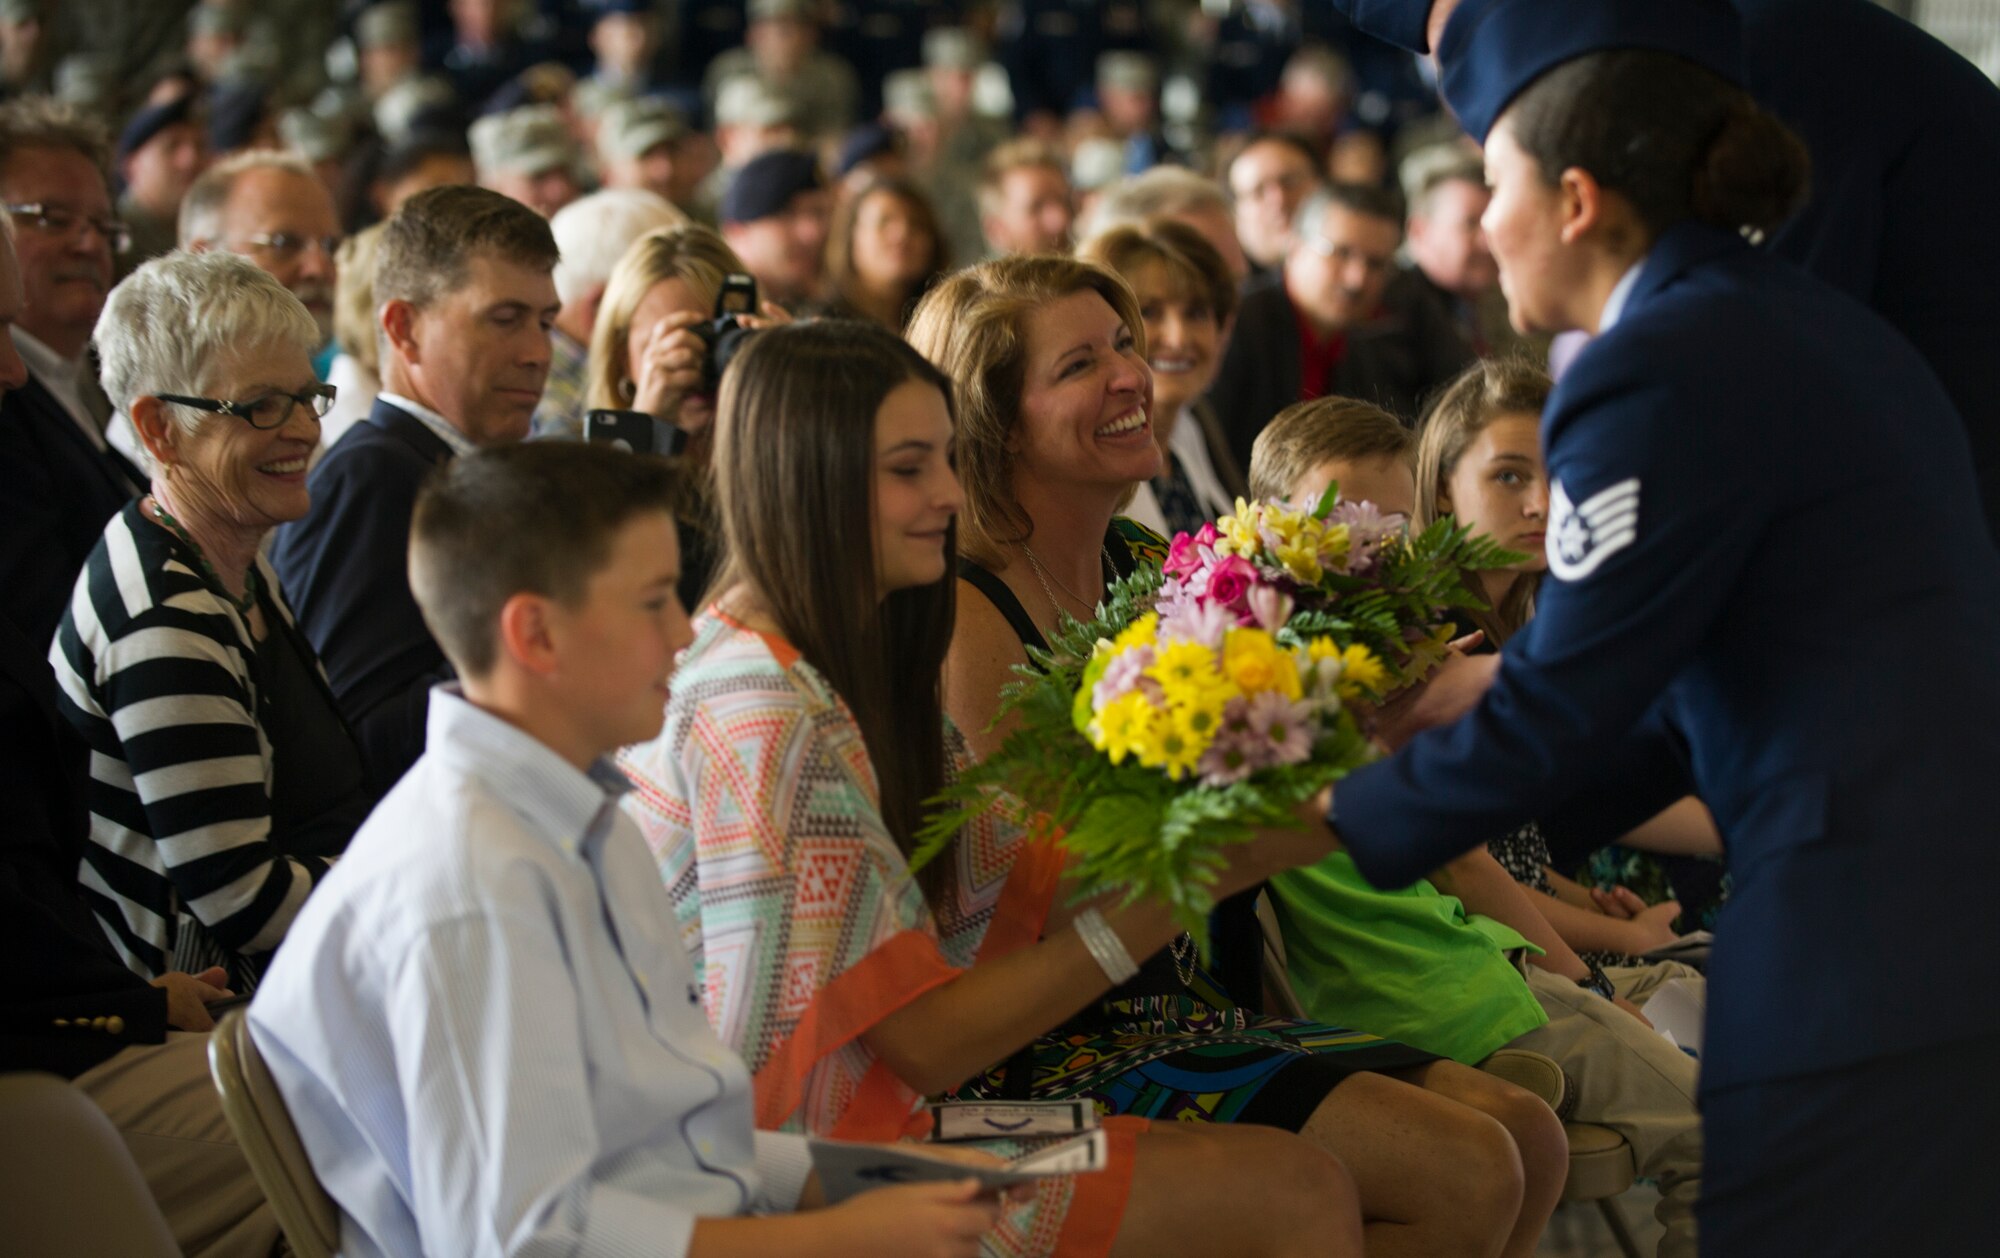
x,y
725,333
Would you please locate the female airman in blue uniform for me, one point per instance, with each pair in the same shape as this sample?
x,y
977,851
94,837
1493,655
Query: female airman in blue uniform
x,y
1771,584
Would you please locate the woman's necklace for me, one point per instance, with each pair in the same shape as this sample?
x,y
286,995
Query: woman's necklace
x,y
1043,575
253,584
1182,948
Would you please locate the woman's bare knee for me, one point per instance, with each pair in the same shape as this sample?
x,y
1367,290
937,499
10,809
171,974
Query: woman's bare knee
x,y
1252,1191
1419,1158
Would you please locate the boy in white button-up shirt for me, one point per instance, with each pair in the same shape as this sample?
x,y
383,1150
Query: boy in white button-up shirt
x,y
484,1025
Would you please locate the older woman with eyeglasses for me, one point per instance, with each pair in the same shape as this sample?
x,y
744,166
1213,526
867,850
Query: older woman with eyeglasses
x,y
223,779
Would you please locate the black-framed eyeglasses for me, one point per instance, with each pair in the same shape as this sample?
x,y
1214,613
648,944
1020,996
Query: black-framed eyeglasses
x,y
266,410
58,221
285,246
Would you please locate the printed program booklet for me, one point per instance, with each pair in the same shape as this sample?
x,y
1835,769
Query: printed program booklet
x,y
847,1168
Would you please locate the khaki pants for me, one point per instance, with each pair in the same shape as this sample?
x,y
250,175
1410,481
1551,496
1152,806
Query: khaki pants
x,y
1628,1078
161,1099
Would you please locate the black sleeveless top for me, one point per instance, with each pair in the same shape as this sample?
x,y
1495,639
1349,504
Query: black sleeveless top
x,y
1157,974
1235,938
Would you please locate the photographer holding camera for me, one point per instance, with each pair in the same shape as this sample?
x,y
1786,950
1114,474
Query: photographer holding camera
x,y
676,307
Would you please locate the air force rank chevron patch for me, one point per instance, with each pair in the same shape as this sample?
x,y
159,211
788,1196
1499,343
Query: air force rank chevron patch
x,y
1583,535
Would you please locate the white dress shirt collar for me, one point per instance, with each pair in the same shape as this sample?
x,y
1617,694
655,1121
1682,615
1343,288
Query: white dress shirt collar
x,y
62,377
1614,305
447,433
550,796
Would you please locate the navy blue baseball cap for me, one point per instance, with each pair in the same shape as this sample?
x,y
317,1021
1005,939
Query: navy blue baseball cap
x,y
767,183
154,119
1492,50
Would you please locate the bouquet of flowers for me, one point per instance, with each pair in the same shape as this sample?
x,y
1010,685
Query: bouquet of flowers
x,y
1215,693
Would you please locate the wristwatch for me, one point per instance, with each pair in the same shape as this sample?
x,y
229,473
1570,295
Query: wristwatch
x,y
1598,982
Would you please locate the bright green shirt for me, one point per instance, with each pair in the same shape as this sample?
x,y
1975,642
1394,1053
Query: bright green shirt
x,y
1410,965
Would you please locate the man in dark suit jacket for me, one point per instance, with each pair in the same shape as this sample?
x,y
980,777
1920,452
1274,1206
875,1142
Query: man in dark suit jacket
x,y
1905,175
63,481
61,490
463,284
1318,328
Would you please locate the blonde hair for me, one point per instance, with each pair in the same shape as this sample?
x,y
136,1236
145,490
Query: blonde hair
x,y
1011,156
354,299
974,327
1307,434
690,253
1487,390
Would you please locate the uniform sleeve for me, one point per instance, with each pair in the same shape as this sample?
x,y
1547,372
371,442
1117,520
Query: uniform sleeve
x,y
1661,518
1643,774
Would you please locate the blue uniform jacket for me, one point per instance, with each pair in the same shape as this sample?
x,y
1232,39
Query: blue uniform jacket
x,y
1905,140
345,570
1771,535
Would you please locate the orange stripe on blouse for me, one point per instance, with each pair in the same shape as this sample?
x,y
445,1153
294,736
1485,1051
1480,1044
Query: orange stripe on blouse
x,y
782,651
1023,908
902,968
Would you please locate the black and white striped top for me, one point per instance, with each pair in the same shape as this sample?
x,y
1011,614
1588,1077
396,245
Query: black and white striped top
x,y
155,669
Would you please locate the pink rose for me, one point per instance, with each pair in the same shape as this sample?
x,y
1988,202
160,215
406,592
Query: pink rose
x,y
1183,557
1230,581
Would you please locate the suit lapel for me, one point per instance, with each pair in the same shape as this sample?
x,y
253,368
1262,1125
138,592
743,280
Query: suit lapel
x,y
112,469
410,430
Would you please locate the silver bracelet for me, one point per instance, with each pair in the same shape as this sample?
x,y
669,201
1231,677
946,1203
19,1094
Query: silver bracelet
x,y
1105,947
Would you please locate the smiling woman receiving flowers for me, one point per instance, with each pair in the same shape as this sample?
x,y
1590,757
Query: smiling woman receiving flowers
x,y
1054,402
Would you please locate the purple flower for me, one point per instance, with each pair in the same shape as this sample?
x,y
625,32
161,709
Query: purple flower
x,y
1191,621
1285,728
1236,751
1120,675
1367,529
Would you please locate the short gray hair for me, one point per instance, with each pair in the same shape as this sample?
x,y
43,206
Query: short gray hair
x,y
177,321
45,122
593,232
1162,192
1429,168
201,208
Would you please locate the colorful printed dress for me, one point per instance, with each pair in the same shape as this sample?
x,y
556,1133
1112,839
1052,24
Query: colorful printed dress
x,y
760,802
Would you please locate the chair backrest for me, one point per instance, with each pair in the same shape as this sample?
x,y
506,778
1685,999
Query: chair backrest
x,y
69,1184
263,1126
1279,998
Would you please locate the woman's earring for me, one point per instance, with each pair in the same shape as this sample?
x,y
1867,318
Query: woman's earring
x,y
628,389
